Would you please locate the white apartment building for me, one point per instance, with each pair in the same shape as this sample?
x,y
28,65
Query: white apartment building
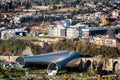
x,y
66,30
73,33
107,40
85,33
111,41
58,30
61,32
51,29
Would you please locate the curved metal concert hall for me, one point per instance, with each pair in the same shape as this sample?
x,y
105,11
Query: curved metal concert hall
x,y
55,60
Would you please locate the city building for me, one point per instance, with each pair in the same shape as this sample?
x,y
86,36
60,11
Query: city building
x,y
73,32
59,29
9,33
93,31
107,40
65,29
111,41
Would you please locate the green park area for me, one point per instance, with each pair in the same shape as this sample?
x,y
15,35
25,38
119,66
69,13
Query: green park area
x,y
36,37
41,74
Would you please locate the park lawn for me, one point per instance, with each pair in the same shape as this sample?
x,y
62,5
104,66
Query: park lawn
x,y
36,37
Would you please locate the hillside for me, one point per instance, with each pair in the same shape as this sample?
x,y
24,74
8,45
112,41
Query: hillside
x,y
16,47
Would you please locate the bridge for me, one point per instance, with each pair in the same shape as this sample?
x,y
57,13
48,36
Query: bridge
x,y
108,64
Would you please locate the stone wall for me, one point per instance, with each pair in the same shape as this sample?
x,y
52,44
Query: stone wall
x,y
8,58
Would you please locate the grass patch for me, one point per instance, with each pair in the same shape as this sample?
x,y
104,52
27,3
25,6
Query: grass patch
x,y
36,37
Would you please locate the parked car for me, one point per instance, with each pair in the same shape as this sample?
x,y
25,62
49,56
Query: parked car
x,y
10,65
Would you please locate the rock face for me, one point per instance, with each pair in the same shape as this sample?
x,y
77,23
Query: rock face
x,y
27,51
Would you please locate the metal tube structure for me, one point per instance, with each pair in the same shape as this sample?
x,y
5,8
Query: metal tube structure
x,y
55,60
